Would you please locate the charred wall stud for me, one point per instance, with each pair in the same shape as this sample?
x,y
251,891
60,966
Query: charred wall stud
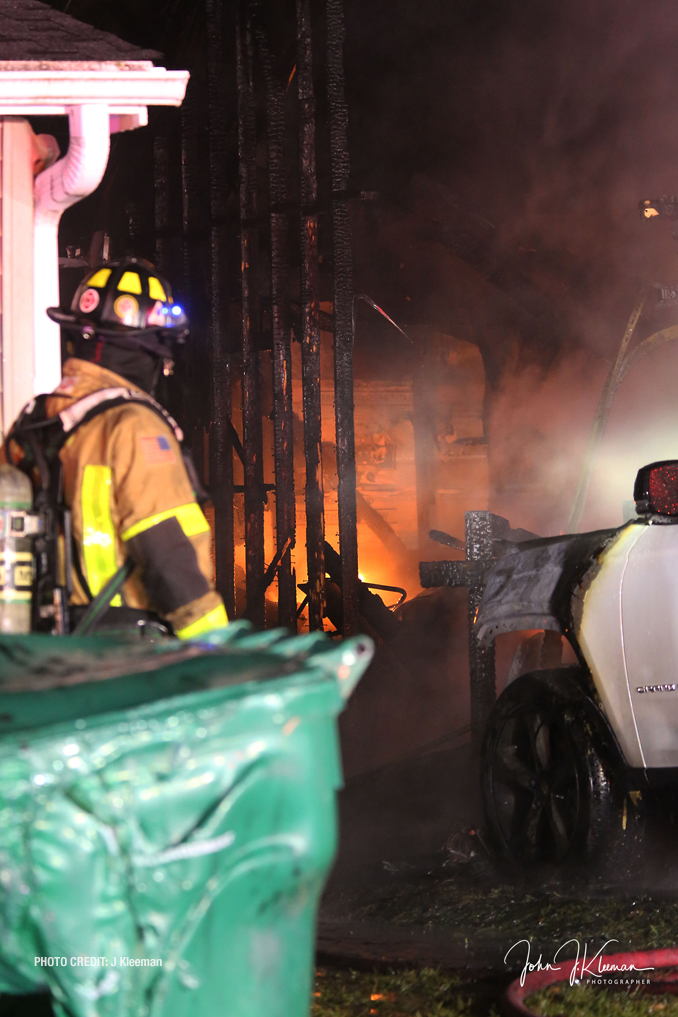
x,y
268,115
251,389
423,419
310,338
343,314
282,356
161,175
220,447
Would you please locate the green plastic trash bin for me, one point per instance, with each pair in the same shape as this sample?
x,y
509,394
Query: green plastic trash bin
x,y
167,819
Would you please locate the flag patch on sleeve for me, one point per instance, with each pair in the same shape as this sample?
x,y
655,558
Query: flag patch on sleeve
x,y
157,450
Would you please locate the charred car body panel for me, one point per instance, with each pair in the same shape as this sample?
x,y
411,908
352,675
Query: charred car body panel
x,y
614,595
563,783
531,586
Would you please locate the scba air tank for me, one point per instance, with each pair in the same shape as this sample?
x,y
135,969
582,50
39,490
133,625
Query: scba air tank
x,y
18,526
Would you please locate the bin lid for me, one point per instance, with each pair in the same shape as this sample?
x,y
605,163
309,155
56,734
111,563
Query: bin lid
x,y
47,679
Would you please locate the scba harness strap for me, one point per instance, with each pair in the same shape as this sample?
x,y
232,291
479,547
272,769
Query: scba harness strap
x,y
40,439
33,417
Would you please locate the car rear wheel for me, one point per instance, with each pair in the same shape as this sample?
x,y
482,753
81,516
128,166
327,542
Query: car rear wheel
x,y
554,789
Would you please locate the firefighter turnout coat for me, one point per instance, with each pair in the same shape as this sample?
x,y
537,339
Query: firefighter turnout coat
x,y
130,495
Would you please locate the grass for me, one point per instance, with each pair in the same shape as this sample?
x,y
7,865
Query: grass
x,y
505,912
486,912
586,1001
408,993
340,992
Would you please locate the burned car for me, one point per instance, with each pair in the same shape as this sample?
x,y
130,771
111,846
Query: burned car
x,y
573,754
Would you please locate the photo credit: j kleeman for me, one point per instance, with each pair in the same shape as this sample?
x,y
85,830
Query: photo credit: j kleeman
x,y
82,961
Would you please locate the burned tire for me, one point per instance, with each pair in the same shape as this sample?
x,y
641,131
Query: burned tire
x,y
554,788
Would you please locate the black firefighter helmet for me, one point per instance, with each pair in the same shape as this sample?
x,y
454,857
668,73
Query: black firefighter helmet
x,y
127,303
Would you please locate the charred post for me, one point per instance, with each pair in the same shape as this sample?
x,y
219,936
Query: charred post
x,y
479,555
423,419
282,356
251,390
220,448
482,530
344,400
343,315
310,338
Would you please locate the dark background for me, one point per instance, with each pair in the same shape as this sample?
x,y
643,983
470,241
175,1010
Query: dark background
x,y
532,128
504,145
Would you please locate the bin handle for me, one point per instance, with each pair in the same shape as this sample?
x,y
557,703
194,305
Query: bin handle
x,y
348,661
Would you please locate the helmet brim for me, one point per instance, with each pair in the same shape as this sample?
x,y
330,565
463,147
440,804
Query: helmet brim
x,y
61,317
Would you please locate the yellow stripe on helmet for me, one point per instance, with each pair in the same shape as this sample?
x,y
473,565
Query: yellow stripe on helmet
x,y
215,619
100,278
98,532
155,289
130,283
190,518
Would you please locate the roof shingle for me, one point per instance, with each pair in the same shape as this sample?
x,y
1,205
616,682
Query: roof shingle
x,y
31,31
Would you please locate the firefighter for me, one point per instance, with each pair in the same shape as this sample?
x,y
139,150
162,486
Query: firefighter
x,y
122,471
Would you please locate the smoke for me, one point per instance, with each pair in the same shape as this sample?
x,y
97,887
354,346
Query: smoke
x,y
576,122
643,428
538,426
549,122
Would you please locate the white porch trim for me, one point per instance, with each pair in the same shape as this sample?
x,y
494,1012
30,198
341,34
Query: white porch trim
x,y
100,99
44,92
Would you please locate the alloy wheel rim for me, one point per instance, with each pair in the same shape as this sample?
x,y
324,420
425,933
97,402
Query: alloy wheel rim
x,y
536,788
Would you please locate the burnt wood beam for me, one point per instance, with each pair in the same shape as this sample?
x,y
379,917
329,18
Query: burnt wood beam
x,y
283,438
310,334
251,389
220,443
343,315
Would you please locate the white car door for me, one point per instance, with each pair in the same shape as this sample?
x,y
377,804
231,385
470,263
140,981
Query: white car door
x,y
600,637
649,603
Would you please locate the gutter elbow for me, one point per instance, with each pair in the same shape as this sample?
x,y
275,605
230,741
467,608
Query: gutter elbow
x,y
80,171
54,190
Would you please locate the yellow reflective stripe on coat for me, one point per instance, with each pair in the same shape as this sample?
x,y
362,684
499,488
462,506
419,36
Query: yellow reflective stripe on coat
x,y
215,619
98,532
190,517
